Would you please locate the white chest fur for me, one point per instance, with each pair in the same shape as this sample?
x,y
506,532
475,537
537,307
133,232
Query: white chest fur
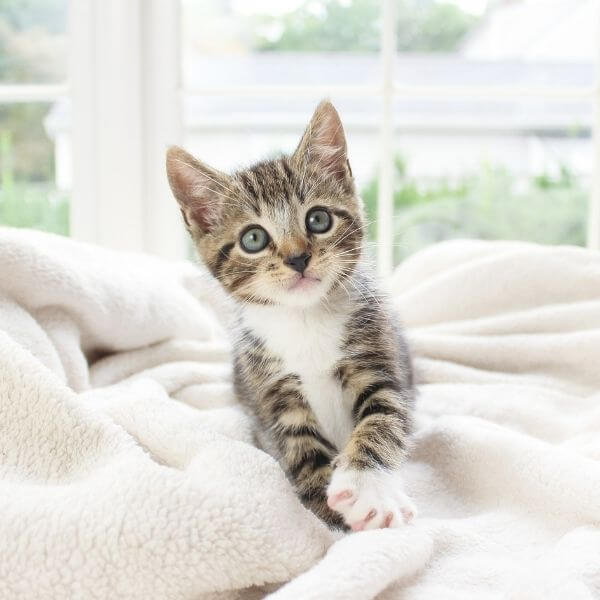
x,y
308,343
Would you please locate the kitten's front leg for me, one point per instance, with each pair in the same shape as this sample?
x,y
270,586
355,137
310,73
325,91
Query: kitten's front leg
x,y
366,487
304,452
308,459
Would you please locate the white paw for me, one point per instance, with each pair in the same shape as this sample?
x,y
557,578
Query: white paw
x,y
369,499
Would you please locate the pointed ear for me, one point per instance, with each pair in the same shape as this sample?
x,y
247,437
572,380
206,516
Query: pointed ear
x,y
198,189
323,144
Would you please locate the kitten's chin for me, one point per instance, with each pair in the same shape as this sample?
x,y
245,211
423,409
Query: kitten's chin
x,y
304,283
303,292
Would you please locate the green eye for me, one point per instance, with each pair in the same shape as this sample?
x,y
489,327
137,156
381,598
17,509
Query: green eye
x,y
254,239
318,220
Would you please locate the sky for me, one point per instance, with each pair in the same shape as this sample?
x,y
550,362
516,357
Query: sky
x,y
282,6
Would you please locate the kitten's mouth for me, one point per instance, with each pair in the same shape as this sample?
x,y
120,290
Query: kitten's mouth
x,y
304,282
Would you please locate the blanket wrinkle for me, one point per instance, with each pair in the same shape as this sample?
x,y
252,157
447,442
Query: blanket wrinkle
x,y
127,470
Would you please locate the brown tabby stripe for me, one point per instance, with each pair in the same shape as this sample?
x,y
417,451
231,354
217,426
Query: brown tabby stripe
x,y
370,391
305,430
222,257
252,191
314,458
343,214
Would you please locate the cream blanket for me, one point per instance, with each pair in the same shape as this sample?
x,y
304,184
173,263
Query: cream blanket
x,y
127,470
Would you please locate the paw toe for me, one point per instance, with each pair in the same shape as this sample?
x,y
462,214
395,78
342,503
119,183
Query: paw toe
x,y
343,498
408,514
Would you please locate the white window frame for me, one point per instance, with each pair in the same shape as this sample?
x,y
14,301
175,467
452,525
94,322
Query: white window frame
x,y
593,232
125,87
124,71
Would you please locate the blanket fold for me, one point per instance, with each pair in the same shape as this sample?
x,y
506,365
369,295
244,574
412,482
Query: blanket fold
x,y
127,470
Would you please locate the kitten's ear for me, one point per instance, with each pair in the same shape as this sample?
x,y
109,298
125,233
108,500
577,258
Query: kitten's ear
x,y
323,144
198,189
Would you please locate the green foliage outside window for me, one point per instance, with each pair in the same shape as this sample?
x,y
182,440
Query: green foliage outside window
x,y
32,50
490,204
331,25
27,202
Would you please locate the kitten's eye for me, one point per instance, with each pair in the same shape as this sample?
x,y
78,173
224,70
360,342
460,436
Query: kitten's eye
x,y
318,220
254,239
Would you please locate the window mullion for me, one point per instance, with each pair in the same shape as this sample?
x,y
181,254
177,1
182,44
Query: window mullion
x,y
124,86
593,237
162,125
385,199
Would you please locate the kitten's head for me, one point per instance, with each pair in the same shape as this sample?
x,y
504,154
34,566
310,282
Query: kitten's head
x,y
285,231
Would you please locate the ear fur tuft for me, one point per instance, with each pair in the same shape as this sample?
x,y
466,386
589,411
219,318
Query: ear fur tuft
x,y
198,188
323,144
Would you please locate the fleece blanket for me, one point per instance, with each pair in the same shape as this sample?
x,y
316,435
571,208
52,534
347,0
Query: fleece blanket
x,y
128,471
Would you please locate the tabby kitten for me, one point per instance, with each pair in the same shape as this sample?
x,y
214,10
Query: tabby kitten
x,y
318,358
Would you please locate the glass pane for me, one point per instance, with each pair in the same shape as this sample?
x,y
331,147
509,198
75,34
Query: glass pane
x,y
280,42
436,27
489,186
492,166
33,41
34,168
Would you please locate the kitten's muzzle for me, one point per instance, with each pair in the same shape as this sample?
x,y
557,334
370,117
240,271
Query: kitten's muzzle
x,y
298,262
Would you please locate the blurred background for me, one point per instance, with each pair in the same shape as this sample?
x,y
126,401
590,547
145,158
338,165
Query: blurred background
x,y
465,118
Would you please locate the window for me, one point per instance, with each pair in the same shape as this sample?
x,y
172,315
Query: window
x,y
479,133
34,155
498,145
464,117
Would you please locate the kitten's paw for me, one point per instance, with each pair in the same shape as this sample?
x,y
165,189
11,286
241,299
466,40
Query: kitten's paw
x,y
369,499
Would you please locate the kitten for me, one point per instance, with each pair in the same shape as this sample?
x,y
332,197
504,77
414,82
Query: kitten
x,y
318,358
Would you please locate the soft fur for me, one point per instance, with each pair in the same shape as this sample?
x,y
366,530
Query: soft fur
x,y
319,360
